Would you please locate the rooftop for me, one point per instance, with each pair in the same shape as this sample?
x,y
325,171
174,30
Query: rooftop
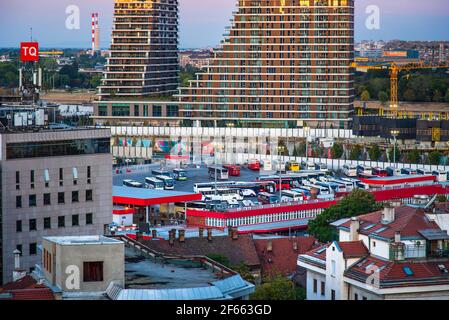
x,y
148,197
82,240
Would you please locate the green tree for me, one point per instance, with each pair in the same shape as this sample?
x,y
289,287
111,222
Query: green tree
x,y
365,96
355,153
95,81
391,154
356,203
441,198
244,271
278,288
435,157
437,97
413,156
446,97
220,258
337,151
375,153
383,97
409,95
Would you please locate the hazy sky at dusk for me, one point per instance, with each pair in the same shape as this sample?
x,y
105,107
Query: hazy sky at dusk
x,y
203,22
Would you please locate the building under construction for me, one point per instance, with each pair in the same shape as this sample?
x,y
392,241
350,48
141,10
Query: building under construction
x,y
144,50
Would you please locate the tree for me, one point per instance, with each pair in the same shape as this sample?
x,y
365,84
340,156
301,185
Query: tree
x,y
437,97
337,151
244,271
356,203
446,97
391,154
435,157
441,198
409,95
375,153
414,156
220,258
278,288
365,96
355,153
383,97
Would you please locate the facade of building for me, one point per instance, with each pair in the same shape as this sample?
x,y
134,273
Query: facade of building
x,y
397,253
283,63
53,182
143,57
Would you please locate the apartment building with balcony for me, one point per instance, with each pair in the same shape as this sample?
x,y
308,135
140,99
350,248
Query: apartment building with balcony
x,y
143,57
53,182
396,253
283,63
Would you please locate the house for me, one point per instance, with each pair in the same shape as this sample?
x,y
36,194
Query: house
x,y
399,252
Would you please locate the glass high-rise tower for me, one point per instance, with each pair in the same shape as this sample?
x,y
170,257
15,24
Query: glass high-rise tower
x,y
143,57
283,63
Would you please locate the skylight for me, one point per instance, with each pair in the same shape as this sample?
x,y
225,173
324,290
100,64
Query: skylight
x,y
380,230
369,226
408,271
321,250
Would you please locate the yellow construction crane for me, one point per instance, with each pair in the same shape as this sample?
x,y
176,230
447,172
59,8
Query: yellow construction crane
x,y
394,69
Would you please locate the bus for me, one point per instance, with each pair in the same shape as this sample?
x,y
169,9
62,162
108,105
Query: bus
x,y
160,172
234,170
154,183
408,171
169,182
363,170
180,174
322,190
350,170
254,165
219,172
423,172
309,166
292,196
286,182
132,184
221,195
267,166
350,185
293,166
393,171
335,187
379,172
441,175
267,198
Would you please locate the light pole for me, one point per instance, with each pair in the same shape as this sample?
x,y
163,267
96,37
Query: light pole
x,y
394,133
280,149
306,134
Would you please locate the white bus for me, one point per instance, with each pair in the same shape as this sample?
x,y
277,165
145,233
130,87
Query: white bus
x,y
154,183
291,196
132,184
220,172
350,170
441,175
169,182
222,194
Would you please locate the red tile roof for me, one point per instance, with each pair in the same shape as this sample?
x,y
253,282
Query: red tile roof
x,y
283,256
353,249
393,274
26,289
407,221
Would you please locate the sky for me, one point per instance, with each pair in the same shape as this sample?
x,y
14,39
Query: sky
x,y
203,22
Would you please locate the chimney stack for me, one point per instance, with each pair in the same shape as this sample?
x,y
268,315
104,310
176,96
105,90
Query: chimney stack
x,y
18,273
270,246
397,237
354,229
154,233
16,259
209,235
388,214
201,232
182,235
235,234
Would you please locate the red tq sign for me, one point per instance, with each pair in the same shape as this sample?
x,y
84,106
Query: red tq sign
x,y
29,51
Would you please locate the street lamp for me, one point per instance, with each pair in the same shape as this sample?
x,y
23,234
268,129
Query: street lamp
x,y
280,150
394,133
306,134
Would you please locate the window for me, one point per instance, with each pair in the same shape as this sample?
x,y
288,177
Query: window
x,y
332,294
75,176
47,199
32,179
333,266
33,249
46,178
323,288
32,226
157,111
315,285
75,196
17,180
88,175
19,247
18,201
61,197
32,200
89,196
47,223
89,218
75,220
61,177
92,271
374,244
356,296
61,222
19,226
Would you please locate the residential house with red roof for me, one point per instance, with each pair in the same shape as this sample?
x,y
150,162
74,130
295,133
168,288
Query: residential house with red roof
x,y
399,252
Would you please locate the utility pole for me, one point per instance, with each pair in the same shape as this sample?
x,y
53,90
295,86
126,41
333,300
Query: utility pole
x,y
394,133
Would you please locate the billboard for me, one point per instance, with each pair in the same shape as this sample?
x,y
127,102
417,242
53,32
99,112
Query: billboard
x,y
29,51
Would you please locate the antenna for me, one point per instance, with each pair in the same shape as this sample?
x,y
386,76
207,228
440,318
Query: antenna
x,y
31,34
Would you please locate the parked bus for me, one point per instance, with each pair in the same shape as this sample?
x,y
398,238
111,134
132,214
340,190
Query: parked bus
x,y
441,175
408,171
310,166
423,172
349,186
293,166
321,166
365,171
160,172
322,190
233,170
254,165
267,198
221,195
335,187
180,174
221,173
286,183
267,166
169,182
132,184
350,170
291,196
154,183
393,171
379,172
